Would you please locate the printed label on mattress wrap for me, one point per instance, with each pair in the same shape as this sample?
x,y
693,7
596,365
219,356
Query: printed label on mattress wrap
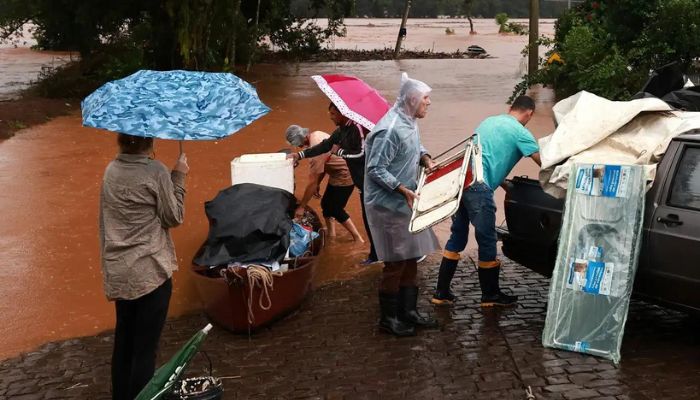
x,y
603,180
594,277
578,346
581,347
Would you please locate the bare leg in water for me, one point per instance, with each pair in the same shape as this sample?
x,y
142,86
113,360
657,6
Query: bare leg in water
x,y
350,226
330,225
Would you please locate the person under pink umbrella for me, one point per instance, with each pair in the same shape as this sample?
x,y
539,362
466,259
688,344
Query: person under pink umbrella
x,y
355,108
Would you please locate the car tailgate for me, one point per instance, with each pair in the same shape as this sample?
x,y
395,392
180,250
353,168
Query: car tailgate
x,y
532,216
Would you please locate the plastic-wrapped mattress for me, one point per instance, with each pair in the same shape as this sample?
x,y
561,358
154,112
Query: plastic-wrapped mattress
x,y
596,260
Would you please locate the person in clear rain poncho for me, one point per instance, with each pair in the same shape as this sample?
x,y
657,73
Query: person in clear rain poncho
x,y
394,154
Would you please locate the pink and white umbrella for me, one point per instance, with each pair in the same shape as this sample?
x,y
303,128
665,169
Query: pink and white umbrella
x,y
354,98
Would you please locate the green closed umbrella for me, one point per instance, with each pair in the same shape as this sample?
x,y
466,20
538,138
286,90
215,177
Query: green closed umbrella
x,y
166,376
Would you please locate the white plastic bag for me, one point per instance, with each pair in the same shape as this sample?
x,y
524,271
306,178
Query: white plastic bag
x,y
300,239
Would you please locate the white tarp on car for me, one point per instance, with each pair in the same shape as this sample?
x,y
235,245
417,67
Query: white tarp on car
x,y
592,129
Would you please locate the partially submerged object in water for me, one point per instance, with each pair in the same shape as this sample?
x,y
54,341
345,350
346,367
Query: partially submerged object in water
x,y
475,51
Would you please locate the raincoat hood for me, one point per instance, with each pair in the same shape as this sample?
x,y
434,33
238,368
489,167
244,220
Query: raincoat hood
x,y
411,94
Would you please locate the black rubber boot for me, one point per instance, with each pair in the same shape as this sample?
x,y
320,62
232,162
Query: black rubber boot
x,y
443,296
491,295
408,300
389,321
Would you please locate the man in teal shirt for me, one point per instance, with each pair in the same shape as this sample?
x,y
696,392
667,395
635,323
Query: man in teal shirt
x,y
504,141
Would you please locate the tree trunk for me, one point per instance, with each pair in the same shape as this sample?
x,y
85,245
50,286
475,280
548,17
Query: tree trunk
x,y
255,37
468,11
164,41
232,53
402,29
534,36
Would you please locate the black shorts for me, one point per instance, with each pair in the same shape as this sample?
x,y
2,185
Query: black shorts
x,y
334,201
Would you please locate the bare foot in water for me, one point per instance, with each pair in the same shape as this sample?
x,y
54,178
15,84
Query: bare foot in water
x,y
353,231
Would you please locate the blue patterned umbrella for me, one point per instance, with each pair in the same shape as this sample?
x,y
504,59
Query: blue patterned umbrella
x,y
179,105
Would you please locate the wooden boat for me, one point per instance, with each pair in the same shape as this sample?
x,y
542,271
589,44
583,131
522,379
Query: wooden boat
x,y
229,301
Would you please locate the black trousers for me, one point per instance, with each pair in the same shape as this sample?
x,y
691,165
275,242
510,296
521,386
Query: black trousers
x,y
334,201
357,172
372,251
139,325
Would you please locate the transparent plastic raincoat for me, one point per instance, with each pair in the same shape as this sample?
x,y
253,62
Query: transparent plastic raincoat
x,y
393,150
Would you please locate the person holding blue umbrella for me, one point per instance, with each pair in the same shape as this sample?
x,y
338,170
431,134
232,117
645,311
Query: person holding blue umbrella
x,y
140,201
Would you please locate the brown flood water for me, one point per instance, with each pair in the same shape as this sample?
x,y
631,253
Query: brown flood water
x,y
50,175
20,66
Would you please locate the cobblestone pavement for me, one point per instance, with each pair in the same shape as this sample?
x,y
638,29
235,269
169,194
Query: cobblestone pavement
x,y
330,349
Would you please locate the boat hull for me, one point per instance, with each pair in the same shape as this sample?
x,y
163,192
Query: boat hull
x,y
226,301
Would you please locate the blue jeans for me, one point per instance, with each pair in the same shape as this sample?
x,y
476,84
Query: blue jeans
x,y
479,209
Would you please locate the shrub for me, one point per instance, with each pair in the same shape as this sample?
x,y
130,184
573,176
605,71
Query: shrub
x,y
501,21
518,29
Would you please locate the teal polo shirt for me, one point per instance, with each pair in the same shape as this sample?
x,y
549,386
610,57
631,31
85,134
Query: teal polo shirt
x,y
504,142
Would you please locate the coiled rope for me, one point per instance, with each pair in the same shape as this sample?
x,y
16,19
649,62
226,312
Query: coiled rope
x,y
257,276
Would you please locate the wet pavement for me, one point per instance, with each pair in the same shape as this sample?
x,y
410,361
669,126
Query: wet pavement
x,y
330,349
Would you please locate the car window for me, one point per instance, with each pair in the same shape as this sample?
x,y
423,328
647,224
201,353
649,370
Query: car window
x,y
685,192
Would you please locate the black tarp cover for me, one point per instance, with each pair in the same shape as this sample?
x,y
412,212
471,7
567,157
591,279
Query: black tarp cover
x,y
687,99
247,222
667,83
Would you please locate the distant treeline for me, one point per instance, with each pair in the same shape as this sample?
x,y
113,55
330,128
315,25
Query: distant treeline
x,y
435,8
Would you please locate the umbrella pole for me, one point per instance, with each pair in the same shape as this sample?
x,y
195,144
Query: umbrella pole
x,y
180,146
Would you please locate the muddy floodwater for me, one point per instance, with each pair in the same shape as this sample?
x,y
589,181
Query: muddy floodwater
x,y
20,66
50,175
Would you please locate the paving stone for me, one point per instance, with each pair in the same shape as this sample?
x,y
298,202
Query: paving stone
x,y
558,379
580,394
561,388
33,396
601,383
583,378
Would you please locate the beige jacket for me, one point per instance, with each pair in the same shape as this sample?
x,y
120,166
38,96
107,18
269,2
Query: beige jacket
x,y
140,200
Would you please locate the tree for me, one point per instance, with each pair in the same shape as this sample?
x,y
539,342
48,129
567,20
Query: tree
x,y
467,8
608,47
502,21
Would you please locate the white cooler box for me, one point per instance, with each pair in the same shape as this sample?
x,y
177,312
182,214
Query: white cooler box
x,y
270,169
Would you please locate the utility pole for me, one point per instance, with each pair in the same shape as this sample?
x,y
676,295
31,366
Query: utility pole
x,y
534,52
402,30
